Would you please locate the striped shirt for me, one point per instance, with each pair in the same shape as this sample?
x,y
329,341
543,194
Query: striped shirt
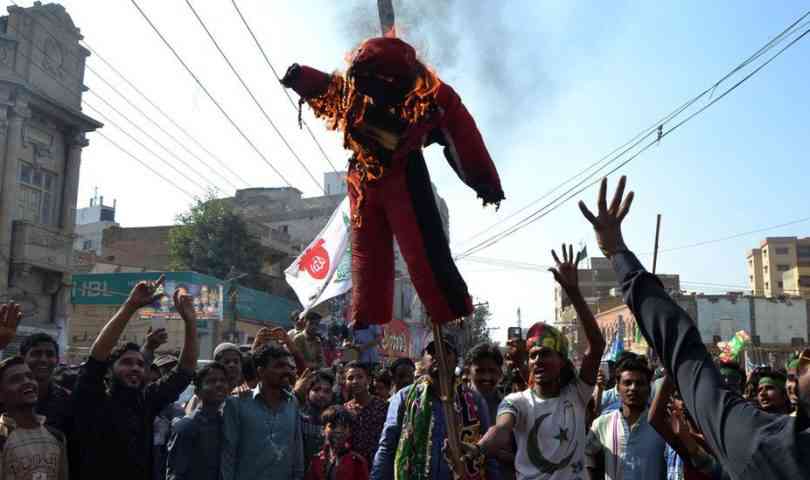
x,y
631,452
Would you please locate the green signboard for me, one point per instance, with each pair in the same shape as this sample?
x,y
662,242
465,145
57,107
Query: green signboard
x,y
211,295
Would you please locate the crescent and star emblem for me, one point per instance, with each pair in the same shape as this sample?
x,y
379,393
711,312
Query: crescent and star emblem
x,y
536,456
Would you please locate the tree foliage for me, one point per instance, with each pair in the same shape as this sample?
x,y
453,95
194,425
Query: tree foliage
x,y
475,327
211,239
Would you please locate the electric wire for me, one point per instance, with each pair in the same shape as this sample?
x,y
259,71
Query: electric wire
x,y
657,126
208,93
252,96
149,136
293,103
551,206
80,79
109,121
70,90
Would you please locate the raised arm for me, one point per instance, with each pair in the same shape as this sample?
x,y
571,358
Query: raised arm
x,y
151,343
566,274
143,294
10,317
499,436
191,350
740,435
657,416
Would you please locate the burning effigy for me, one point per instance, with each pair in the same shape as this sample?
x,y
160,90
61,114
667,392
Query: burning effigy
x,y
389,106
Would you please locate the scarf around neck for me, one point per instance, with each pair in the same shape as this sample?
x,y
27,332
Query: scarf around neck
x,y
414,453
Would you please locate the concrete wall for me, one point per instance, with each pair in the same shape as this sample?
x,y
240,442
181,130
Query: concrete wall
x,y
93,232
778,321
142,246
722,316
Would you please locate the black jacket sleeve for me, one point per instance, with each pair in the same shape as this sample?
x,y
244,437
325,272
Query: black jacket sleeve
x,y
90,392
749,443
167,389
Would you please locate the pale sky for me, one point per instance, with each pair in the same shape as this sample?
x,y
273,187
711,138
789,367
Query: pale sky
x,y
554,86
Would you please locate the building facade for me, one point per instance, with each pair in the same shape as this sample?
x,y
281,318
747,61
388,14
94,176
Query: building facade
x,y
780,266
91,221
599,286
43,134
777,326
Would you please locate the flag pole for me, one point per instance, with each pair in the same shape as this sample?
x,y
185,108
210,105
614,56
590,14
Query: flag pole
x,y
385,9
655,251
655,261
447,397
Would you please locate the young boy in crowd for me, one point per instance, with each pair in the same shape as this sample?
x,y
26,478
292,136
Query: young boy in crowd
x,y
368,411
196,445
382,384
337,460
29,450
314,391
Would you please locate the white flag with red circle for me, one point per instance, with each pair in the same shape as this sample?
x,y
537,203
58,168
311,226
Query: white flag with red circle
x,y
323,270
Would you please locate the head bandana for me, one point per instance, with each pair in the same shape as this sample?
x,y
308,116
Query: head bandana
x,y
772,381
544,335
792,364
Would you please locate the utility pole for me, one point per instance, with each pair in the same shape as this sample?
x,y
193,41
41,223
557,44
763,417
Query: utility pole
x,y
655,251
232,280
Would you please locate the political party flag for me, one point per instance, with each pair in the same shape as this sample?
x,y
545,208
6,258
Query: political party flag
x,y
324,269
639,337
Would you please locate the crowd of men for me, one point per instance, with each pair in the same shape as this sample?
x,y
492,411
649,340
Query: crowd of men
x,y
285,409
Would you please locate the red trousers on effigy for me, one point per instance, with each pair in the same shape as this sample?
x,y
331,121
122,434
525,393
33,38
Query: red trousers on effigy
x,y
401,204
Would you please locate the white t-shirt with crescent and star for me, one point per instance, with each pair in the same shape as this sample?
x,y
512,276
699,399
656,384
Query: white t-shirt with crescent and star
x,y
550,432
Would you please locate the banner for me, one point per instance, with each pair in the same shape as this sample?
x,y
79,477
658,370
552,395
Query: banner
x,y
324,269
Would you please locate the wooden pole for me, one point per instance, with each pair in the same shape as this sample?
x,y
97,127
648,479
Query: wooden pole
x,y
655,251
387,19
385,8
447,396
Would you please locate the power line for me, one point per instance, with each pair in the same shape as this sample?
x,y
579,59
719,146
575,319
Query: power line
x,y
145,165
549,207
68,89
510,265
210,96
157,125
163,113
650,130
144,132
732,237
109,121
79,78
252,96
293,103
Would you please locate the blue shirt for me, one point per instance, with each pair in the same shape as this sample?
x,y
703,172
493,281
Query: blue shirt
x,y
261,442
674,464
631,452
366,335
383,467
611,401
195,447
